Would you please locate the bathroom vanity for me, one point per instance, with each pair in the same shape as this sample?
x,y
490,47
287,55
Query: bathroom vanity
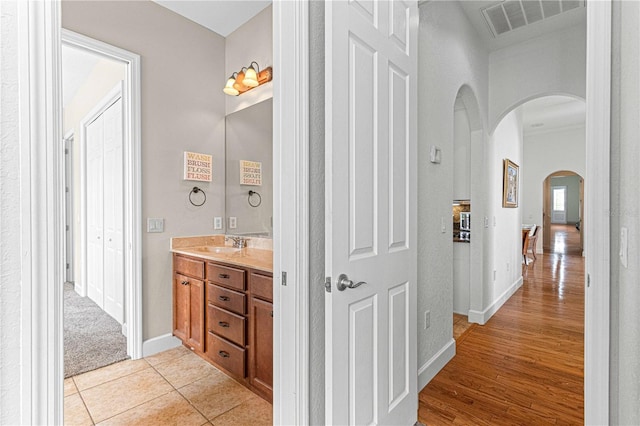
x,y
223,306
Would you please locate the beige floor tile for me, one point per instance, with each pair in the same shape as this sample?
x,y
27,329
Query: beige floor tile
x,y
255,411
75,413
169,409
169,355
186,369
108,373
215,395
117,396
69,387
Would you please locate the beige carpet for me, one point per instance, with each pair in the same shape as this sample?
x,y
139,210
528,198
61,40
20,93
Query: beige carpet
x,y
92,339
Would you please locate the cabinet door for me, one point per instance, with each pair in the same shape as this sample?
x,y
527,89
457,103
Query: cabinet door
x,y
181,307
261,347
196,314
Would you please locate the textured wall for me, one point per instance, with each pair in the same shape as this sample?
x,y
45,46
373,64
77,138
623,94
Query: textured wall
x,y
10,192
316,209
625,212
183,109
550,64
447,60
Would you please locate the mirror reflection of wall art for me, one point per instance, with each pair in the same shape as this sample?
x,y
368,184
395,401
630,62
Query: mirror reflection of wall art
x,y
197,166
510,184
250,173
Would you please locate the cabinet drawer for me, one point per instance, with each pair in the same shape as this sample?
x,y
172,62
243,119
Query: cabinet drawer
x,y
225,354
191,267
226,276
261,286
227,299
226,324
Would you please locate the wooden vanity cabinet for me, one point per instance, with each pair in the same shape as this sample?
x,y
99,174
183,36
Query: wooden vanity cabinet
x,y
188,297
225,314
261,334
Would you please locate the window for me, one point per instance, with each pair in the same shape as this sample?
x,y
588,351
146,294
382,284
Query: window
x,y
558,199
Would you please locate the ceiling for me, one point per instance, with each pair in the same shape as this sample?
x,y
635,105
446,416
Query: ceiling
x,y
220,16
552,113
473,10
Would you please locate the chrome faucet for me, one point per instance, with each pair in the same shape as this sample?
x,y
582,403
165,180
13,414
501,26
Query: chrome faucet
x,y
238,241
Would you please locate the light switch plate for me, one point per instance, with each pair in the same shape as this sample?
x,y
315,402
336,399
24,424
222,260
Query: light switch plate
x,y
232,222
217,222
155,224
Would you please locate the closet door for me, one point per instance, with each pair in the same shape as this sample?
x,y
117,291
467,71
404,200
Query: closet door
x,y
95,203
113,213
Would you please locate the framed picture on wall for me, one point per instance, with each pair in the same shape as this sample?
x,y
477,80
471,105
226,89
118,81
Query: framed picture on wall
x,y
510,184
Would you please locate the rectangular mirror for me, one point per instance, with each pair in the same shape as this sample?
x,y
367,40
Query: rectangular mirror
x,y
249,138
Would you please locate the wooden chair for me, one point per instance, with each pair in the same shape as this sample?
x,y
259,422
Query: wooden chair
x,y
529,244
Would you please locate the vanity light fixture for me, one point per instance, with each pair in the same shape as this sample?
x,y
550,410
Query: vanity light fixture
x,y
247,79
228,88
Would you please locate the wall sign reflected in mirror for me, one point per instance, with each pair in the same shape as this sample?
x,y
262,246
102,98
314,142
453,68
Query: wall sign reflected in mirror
x,y
249,142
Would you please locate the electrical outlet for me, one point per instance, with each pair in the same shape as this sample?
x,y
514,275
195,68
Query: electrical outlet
x,y
486,222
494,274
217,222
233,222
427,319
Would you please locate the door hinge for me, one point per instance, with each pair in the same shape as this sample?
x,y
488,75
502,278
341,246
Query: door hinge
x,y
327,284
588,280
66,151
284,278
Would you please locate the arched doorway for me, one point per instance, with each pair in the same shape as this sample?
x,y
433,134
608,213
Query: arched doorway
x,y
563,213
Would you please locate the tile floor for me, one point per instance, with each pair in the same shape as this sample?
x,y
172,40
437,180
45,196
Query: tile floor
x,y
174,387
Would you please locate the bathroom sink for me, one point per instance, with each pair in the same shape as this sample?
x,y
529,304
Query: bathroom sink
x,y
218,250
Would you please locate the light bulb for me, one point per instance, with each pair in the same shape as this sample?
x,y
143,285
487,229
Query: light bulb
x,y
229,89
250,77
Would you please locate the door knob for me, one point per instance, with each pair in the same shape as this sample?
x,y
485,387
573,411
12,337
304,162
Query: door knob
x,y
344,282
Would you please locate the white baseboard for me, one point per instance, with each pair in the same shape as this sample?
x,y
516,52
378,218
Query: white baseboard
x,y
481,317
437,362
159,344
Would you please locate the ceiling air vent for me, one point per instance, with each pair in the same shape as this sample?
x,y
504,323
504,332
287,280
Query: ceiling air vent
x,y
511,14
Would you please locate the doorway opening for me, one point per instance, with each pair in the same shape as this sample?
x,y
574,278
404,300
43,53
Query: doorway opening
x,y
563,213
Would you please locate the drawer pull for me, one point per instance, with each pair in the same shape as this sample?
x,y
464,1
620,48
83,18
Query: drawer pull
x,y
185,283
223,276
223,354
223,324
223,298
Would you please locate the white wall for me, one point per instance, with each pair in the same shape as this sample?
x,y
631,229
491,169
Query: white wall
x,y
624,211
461,153
568,148
506,223
11,292
253,41
183,109
102,79
447,60
550,64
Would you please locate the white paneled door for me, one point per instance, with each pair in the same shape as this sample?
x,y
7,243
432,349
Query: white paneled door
x,y
371,183
105,257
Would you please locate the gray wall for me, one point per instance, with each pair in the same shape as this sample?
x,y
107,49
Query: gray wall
x,y
316,208
183,109
573,195
625,208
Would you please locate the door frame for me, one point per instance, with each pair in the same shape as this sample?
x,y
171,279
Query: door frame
x,y
69,252
291,381
546,209
132,238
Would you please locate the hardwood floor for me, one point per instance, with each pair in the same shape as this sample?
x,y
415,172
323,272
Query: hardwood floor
x,y
565,239
525,366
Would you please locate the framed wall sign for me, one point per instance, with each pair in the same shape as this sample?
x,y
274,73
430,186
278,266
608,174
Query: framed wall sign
x,y
510,189
197,166
250,173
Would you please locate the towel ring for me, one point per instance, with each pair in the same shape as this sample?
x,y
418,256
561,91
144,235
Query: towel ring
x,y
251,194
195,190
